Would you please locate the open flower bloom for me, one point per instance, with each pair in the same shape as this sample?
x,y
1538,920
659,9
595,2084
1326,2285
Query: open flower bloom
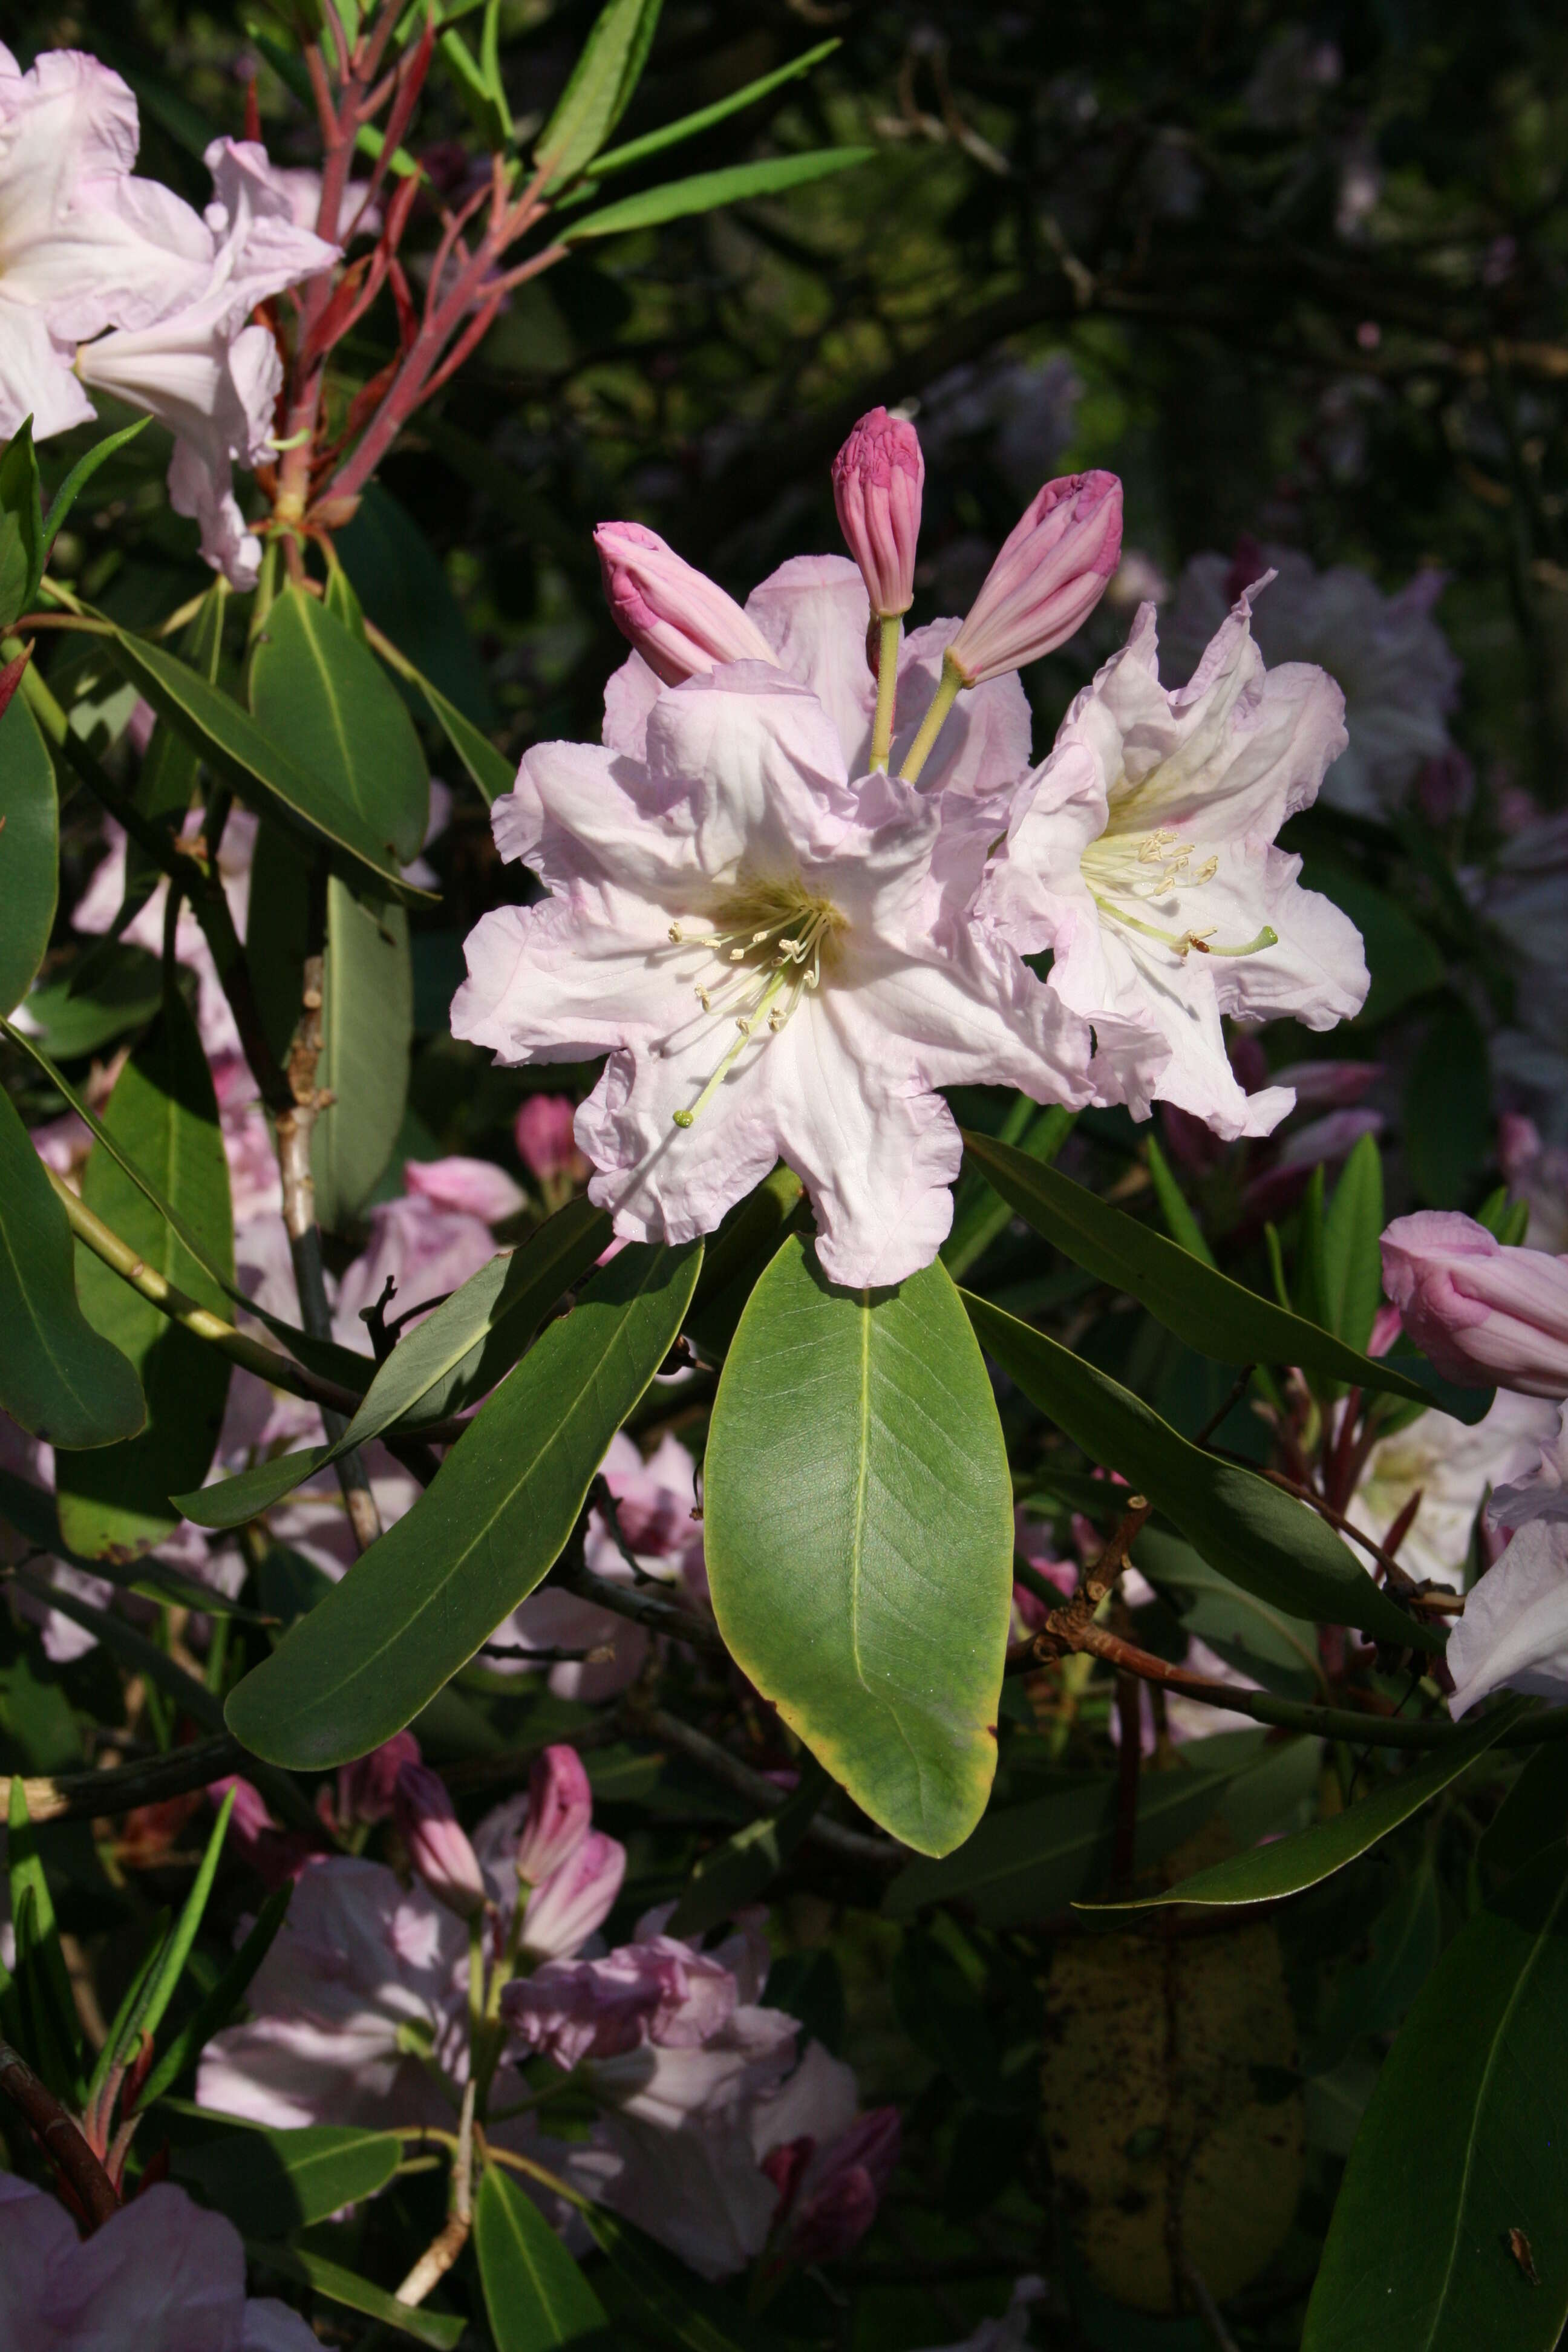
x,y
1482,1312
162,2273
83,245
1513,1635
1452,1469
1142,856
760,948
200,368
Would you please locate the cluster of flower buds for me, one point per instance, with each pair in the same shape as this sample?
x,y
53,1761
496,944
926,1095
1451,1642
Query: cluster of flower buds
x,y
568,1872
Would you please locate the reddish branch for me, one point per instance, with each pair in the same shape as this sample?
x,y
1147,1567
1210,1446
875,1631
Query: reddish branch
x,y
60,2137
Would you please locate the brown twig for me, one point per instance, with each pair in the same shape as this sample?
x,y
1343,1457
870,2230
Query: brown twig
x,y
58,2135
87,1796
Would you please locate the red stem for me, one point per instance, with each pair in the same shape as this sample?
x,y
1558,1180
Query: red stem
x,y
59,2137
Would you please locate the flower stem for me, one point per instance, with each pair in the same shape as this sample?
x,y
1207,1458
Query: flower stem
x,y
941,702
892,628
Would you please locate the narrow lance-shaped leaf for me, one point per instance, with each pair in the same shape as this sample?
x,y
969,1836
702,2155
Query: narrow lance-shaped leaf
x,y
29,851
1262,1538
216,2007
1286,1866
440,2329
76,481
1457,2182
163,1113
1205,1309
484,1533
42,1985
454,1357
535,2294
600,89
858,1524
636,150
58,1377
367,1031
1352,1263
21,524
708,190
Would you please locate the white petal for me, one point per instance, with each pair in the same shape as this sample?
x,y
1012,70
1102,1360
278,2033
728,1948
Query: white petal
x,y
1514,1631
814,611
760,764
36,374
569,980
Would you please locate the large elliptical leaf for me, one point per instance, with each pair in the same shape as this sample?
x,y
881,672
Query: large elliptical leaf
x,y
1461,2146
1262,1538
163,1113
535,2294
487,1529
29,851
857,1514
321,694
367,1035
57,1378
1205,1309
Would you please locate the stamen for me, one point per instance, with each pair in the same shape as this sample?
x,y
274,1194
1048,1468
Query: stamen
x,y
1182,943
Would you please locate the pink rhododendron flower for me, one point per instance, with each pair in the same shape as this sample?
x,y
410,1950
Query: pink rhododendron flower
x,y
1049,577
162,2273
1452,1469
83,245
1540,1491
560,1808
1482,1312
565,1909
829,2196
1142,855
680,622
1513,1635
877,479
474,1188
545,1143
438,1847
760,948
367,1788
427,1251
201,368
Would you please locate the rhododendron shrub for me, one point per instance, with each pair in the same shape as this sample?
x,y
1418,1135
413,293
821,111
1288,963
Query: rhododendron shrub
x,y
784,1330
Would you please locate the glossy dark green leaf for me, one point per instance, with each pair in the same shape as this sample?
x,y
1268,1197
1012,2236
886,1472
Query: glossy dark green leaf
x,y
1270,1646
742,1869
1262,1538
636,150
77,480
602,82
1352,1263
486,767
115,1502
453,1358
40,1981
246,755
1204,1307
21,525
708,190
1180,1222
484,1533
166,784
412,616
536,2296
738,1254
320,692
1405,1937
440,2329
858,1528
123,992
58,1377
272,2181
1533,1816
1461,2160
367,1030
1448,1116
1286,1866
29,850
1029,1862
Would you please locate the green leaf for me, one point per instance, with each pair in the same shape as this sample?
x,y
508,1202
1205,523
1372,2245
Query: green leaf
x,y
177,1951
446,1363
1352,1263
114,1501
29,850
708,190
484,1533
440,2328
407,598
1266,1644
636,150
74,482
245,755
1461,2146
979,1214
737,1255
1285,1867
276,2180
1406,1937
1262,1538
858,1524
21,525
1532,1816
1029,1862
1449,1109
58,1377
42,1985
216,2007
601,86
681,2307
536,2296
123,992
745,1866
167,783
1205,1309
321,694
367,1033
1181,1223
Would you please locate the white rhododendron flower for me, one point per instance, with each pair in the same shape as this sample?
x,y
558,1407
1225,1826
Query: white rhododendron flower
x,y
767,949
1140,853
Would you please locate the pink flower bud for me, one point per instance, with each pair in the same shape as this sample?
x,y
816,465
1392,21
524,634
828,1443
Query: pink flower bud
x,y
575,1898
679,621
839,2203
437,1843
560,1811
367,1788
878,477
1047,579
545,1143
1479,1311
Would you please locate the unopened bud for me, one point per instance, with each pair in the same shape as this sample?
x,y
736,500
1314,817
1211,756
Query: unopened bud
x,y
575,1898
1047,579
680,622
560,1811
437,1843
545,1142
877,479
368,1788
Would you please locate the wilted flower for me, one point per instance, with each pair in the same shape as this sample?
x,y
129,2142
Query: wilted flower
x,y
1483,1313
